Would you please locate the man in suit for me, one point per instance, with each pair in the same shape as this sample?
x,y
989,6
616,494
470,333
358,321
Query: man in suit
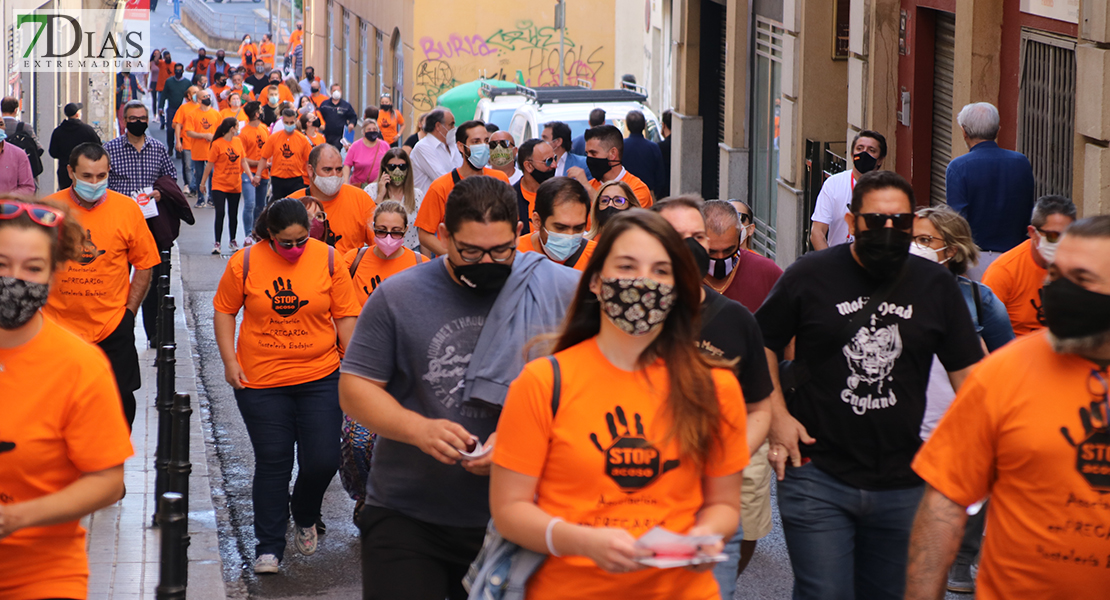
x,y
641,155
557,135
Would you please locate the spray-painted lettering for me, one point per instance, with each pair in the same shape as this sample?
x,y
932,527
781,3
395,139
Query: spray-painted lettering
x,y
456,45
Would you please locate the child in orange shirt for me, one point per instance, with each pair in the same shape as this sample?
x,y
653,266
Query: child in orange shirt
x,y
227,161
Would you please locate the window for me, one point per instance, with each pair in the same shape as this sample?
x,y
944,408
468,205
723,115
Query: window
x,y
398,66
332,50
380,38
366,93
1046,110
348,57
766,92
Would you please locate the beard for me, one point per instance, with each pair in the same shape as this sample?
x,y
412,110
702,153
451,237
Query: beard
x,y
1088,346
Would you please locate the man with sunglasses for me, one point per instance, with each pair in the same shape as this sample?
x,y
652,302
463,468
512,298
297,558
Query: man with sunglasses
x,y
427,369
502,155
747,222
1017,276
1030,430
537,165
866,319
744,276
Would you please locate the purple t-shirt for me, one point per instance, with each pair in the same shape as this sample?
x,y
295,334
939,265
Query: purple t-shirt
x,y
365,163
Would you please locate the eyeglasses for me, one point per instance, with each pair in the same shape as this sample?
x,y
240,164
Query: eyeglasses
x,y
43,215
398,167
926,240
547,162
502,144
615,201
288,245
1050,236
473,254
382,233
878,220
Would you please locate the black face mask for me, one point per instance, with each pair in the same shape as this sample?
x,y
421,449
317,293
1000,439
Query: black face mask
x,y
598,167
206,101
1072,311
371,136
542,176
883,251
178,74
137,128
315,91
387,107
701,255
483,278
605,214
864,162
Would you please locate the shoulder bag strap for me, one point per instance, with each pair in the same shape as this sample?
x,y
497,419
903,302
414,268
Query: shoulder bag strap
x,y
713,309
246,268
419,257
573,259
358,259
978,303
331,261
455,176
556,386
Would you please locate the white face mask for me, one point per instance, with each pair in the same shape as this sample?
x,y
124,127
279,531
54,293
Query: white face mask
x,y
329,186
336,95
1047,249
928,253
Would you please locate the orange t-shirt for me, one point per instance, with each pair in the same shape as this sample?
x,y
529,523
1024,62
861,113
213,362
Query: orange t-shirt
x,y
1011,434
284,95
317,138
165,69
267,51
287,336
62,412
252,49
289,152
390,125
372,271
295,40
318,99
89,295
201,121
349,218
643,194
231,112
179,119
217,90
600,463
524,244
1017,281
530,197
435,199
254,140
226,159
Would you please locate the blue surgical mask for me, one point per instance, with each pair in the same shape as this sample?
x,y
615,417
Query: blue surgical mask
x,y
3,134
289,128
559,246
90,192
479,155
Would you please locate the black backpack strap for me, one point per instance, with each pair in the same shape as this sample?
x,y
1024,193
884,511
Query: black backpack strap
x,y
556,386
573,258
455,176
358,259
978,303
713,309
246,268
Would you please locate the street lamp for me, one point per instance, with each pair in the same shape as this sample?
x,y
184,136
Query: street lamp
x,y
561,25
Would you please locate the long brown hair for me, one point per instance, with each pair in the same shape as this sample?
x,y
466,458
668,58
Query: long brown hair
x,y
408,186
692,399
595,227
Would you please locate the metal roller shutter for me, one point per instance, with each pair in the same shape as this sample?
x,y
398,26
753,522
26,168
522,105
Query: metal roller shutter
x,y
1046,110
944,67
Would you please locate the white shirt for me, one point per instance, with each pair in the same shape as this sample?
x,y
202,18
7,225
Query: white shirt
x,y
561,166
834,201
515,177
412,236
432,159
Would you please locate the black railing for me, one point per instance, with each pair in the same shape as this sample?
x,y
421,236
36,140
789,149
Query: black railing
x,y
822,162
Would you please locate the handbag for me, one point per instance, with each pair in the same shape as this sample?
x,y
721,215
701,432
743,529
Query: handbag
x,y
794,374
502,569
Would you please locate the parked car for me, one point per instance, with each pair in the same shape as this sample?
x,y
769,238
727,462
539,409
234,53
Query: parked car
x,y
498,105
572,105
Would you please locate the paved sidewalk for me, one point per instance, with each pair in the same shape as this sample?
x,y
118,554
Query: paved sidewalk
x,y
123,547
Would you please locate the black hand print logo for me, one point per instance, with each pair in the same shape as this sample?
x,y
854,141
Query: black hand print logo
x,y
374,283
260,142
286,151
329,235
1093,452
232,156
89,251
630,460
285,301
6,447
1039,307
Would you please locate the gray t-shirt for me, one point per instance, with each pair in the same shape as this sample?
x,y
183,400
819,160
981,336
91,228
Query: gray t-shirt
x,y
416,333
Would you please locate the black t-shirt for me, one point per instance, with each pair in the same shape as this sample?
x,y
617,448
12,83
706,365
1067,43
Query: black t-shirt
x,y
865,401
411,141
257,83
733,333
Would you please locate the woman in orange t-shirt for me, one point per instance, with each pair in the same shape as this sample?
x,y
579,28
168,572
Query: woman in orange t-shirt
x,y
235,110
646,432
227,161
369,267
63,437
285,370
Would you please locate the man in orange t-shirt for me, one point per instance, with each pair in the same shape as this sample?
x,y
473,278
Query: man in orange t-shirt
x,y
200,124
1029,430
92,296
536,161
390,121
350,210
472,140
288,150
181,144
604,152
1016,277
558,223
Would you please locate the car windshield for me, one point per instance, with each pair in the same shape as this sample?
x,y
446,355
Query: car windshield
x,y
501,117
578,128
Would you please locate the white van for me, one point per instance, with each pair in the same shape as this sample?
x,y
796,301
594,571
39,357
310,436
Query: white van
x,y
498,105
572,105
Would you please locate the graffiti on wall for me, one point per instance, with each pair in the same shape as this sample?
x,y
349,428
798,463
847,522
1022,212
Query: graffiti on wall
x,y
527,47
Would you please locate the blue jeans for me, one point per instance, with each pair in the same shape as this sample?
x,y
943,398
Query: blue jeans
x,y
844,542
254,200
307,416
725,572
198,173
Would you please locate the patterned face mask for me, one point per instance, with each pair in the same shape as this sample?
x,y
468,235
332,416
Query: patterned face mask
x,y
20,300
636,306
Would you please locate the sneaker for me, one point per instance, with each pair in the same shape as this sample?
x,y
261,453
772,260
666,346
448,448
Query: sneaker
x,y
304,538
247,241
209,204
267,563
199,204
216,248
321,528
233,246
960,579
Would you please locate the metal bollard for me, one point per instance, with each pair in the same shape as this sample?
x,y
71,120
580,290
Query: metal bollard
x,y
180,468
167,373
174,560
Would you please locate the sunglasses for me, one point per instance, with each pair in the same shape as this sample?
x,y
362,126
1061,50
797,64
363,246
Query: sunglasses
x,y
502,144
43,215
745,218
288,245
1050,236
398,167
546,162
878,220
382,233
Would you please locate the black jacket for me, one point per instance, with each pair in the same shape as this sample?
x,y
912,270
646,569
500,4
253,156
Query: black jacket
x,y
173,208
69,134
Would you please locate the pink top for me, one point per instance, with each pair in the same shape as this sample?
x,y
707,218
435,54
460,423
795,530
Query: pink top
x,y
15,171
365,163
